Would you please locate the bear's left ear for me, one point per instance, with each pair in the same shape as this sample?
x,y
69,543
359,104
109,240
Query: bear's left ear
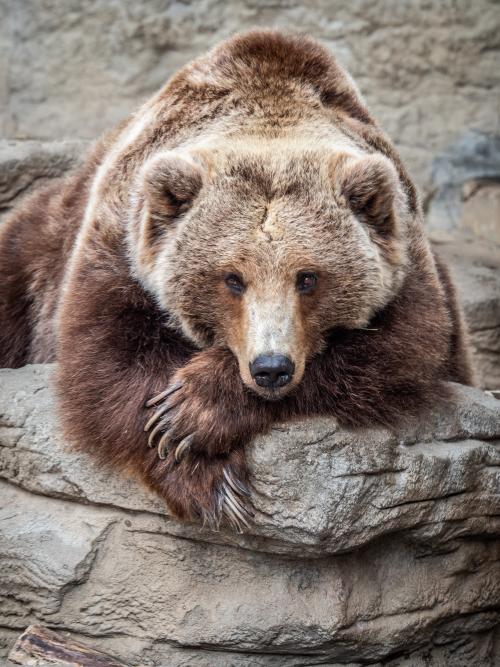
x,y
171,182
369,186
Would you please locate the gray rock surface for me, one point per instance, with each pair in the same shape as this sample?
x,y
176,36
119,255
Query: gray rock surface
x,y
475,266
466,187
26,165
368,545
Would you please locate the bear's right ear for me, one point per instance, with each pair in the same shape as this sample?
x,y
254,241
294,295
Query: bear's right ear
x,y
369,186
171,182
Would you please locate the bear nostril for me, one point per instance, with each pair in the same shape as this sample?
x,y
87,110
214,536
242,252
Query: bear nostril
x,y
272,370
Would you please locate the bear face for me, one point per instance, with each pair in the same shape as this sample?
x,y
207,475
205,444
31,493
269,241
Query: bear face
x,y
312,242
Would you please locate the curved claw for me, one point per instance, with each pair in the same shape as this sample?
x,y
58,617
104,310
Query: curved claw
x,y
157,428
242,488
235,483
231,507
162,424
159,397
157,415
163,444
184,444
238,506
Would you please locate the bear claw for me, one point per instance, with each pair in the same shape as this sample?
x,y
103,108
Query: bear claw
x,y
163,444
157,415
232,507
184,444
167,392
235,483
153,433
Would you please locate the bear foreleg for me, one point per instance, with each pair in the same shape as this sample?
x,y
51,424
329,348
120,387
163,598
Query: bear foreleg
x,y
200,424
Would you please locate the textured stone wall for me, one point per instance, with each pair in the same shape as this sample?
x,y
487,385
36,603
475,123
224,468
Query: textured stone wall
x,y
369,547
429,70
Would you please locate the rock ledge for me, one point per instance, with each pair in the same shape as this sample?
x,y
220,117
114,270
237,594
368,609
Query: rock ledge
x,y
367,545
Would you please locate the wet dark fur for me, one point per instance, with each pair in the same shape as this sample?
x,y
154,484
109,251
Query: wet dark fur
x,y
115,348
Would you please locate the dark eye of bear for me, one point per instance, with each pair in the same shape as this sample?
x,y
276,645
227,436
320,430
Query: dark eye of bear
x,y
306,282
234,283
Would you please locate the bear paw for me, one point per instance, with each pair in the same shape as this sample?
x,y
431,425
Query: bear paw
x,y
202,477
207,490
190,415
158,424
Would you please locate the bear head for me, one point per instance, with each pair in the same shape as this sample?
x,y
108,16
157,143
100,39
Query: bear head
x,y
266,249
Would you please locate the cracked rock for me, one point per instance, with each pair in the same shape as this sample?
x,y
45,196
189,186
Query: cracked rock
x,y
368,545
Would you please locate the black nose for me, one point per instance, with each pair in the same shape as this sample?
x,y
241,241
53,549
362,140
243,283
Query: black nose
x,y
272,370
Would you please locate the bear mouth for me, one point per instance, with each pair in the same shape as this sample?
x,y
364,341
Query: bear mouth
x,y
268,394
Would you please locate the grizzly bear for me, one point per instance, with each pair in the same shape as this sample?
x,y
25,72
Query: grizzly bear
x,y
247,248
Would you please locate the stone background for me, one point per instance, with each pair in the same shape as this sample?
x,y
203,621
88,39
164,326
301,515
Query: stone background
x,y
430,71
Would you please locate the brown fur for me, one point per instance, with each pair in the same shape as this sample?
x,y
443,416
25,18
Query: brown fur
x,y
118,271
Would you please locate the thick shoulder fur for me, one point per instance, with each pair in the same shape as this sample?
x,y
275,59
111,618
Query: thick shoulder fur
x,y
36,244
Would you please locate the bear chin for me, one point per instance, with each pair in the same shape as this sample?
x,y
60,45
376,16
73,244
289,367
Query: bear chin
x,y
272,395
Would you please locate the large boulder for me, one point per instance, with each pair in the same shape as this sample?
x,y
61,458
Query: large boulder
x,y
368,545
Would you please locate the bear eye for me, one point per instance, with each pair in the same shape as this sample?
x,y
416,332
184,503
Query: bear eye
x,y
306,282
234,283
